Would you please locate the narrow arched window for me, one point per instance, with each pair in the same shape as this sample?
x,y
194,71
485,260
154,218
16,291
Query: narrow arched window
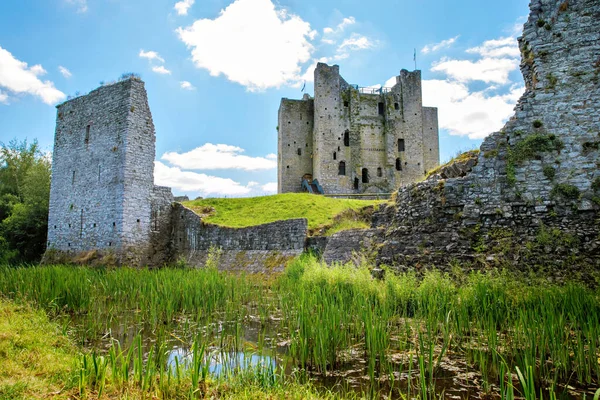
x,y
379,172
299,151
365,175
347,138
398,165
355,183
342,168
334,155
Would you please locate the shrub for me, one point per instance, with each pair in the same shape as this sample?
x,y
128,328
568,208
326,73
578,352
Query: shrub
x,y
566,191
549,172
537,123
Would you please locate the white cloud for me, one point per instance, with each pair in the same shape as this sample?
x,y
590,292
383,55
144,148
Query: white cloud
x,y
271,156
3,97
356,42
488,70
251,42
466,113
183,6
252,184
151,56
188,181
438,46
218,156
81,5
17,78
161,70
339,28
503,47
270,187
186,85
65,72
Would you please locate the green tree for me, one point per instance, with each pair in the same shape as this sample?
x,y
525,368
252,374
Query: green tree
x,y
24,199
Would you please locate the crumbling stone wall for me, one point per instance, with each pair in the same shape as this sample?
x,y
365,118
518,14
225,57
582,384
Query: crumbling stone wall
x,y
533,197
261,248
361,129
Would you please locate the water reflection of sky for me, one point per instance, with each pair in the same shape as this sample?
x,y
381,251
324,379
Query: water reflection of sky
x,y
221,363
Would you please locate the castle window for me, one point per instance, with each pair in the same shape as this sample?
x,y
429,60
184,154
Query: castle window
x,y
288,167
346,104
355,183
109,244
94,225
398,165
400,144
379,173
347,138
342,168
365,175
299,151
381,108
334,155
73,178
396,106
87,135
138,221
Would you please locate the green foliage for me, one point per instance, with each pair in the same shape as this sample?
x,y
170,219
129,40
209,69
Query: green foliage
x,y
596,184
534,144
240,212
552,80
528,148
566,191
24,198
537,123
549,172
331,318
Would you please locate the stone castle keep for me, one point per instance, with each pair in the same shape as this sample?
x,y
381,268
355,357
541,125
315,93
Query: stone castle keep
x,y
532,200
356,140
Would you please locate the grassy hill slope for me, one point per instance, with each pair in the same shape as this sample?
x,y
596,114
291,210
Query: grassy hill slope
x,y
319,210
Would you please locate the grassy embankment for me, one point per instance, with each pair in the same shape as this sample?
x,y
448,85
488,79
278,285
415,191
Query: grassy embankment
x,y
403,334
324,214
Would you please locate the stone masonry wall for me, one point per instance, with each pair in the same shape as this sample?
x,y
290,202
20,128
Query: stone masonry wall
x,y
262,248
533,197
374,159
295,143
102,173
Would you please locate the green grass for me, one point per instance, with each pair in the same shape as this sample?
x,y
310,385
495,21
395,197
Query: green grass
x,y
241,212
334,318
36,358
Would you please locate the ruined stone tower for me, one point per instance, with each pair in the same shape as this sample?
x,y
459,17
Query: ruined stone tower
x,y
102,174
357,140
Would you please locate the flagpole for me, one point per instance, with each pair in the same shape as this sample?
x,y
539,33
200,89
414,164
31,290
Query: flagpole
x,y
415,59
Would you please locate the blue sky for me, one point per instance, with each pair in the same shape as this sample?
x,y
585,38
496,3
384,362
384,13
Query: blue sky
x,y
215,70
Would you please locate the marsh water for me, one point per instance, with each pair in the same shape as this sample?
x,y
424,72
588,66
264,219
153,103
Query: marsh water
x,y
253,342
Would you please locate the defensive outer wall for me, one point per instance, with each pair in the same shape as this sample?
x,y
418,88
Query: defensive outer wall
x,y
533,198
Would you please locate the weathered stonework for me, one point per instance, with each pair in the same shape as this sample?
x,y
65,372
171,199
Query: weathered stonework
x,y
537,182
261,248
102,173
356,140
